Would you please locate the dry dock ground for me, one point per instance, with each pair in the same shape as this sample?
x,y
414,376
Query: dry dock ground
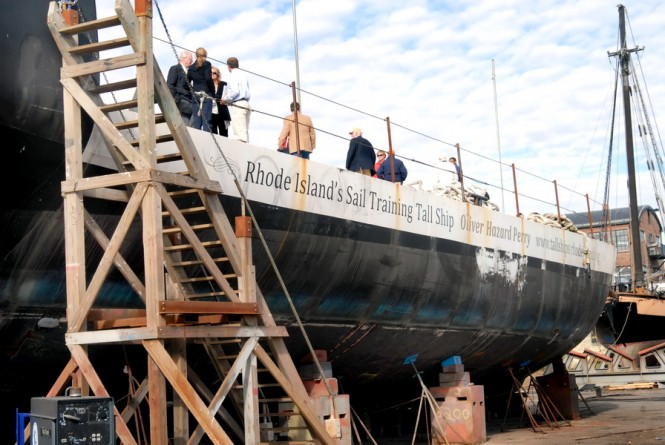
x,y
623,417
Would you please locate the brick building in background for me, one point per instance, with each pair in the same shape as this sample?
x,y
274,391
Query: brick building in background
x,y
619,234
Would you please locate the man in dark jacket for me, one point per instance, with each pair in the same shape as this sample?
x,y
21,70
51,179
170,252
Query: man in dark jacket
x,y
385,173
177,82
360,157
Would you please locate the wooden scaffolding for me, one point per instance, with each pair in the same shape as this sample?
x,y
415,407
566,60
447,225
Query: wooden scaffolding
x,y
197,280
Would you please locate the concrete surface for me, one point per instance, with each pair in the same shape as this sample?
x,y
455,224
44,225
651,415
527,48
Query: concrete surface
x,y
616,418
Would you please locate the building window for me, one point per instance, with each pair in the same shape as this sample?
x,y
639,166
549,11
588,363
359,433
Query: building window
x,y
621,240
622,277
601,235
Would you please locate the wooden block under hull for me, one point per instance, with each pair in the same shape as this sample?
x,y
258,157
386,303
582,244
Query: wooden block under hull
x,y
460,416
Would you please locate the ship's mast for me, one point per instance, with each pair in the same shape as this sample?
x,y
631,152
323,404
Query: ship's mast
x,y
624,57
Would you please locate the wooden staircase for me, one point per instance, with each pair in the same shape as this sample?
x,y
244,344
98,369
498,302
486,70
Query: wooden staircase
x,y
197,278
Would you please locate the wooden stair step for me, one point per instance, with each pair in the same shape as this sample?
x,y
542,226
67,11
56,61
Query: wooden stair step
x,y
113,86
209,294
207,307
123,105
158,140
187,211
262,385
196,279
199,262
182,192
181,247
159,118
176,229
100,46
275,399
91,25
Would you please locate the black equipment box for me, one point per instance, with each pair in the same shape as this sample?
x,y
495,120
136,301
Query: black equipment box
x,y
72,420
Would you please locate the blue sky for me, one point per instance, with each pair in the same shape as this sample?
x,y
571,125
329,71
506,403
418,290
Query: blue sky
x,y
428,66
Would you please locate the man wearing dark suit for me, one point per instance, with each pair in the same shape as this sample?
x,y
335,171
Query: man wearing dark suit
x,y
360,157
179,87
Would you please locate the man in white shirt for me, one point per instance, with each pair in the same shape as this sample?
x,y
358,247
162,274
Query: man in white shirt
x,y
237,98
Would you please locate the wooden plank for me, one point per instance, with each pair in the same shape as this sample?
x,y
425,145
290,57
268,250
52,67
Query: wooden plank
x,y
102,65
107,194
186,181
96,314
117,323
133,335
629,386
651,349
623,354
111,87
578,354
207,307
99,46
598,355
104,181
651,306
91,25
121,105
180,384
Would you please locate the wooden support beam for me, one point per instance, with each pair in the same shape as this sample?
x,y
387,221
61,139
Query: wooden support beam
x,y
180,384
88,371
133,335
207,307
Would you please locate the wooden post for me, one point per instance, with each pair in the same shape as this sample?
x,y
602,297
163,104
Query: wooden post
x,y
517,197
391,153
295,116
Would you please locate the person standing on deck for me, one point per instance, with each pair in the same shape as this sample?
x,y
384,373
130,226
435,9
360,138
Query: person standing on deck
x,y
384,171
237,97
179,86
453,161
380,157
221,118
361,157
200,74
306,134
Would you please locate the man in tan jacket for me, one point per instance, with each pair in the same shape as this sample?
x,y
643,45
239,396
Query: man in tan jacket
x,y
305,138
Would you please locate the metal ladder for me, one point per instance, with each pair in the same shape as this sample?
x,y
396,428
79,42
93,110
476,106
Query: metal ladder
x,y
197,284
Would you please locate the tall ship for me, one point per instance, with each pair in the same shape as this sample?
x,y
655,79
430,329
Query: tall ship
x,y
636,306
369,271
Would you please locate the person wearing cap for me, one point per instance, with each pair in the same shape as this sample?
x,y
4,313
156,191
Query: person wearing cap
x,y
237,98
385,171
361,157
306,136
